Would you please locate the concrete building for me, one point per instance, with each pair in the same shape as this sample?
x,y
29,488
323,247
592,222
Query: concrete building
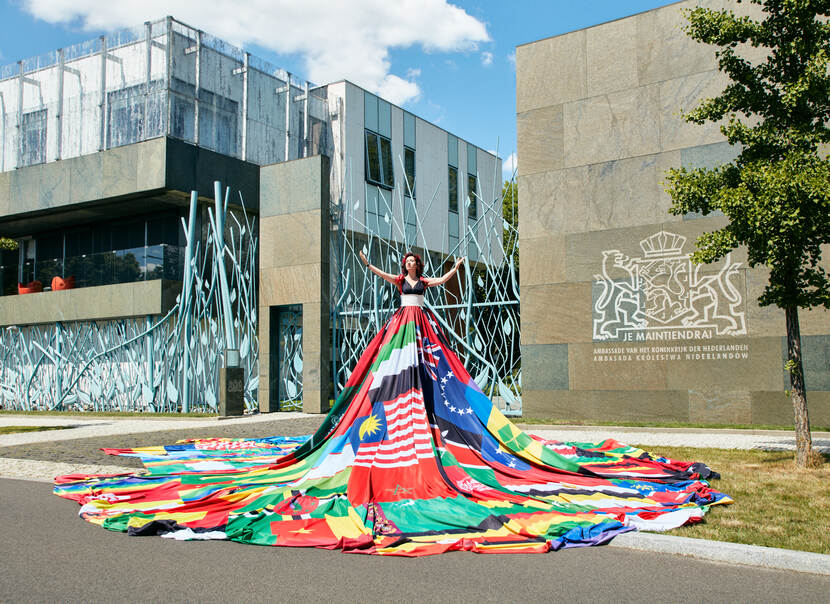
x,y
102,143
617,324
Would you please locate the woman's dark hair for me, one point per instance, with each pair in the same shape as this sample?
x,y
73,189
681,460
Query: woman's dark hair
x,y
419,264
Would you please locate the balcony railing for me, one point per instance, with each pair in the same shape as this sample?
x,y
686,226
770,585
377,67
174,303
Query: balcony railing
x,y
118,266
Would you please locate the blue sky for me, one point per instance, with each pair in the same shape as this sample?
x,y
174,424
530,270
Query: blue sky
x,y
452,63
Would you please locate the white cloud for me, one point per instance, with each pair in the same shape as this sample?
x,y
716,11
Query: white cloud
x,y
511,58
508,166
337,40
487,58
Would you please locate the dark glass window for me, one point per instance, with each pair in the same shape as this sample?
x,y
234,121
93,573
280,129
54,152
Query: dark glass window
x,y
452,174
472,196
164,229
79,242
127,235
409,167
50,246
379,168
33,138
372,157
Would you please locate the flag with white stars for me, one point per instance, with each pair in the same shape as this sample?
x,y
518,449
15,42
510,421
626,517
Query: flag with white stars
x,y
412,460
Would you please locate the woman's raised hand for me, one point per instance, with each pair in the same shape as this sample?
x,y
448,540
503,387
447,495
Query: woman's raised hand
x,y
363,258
460,261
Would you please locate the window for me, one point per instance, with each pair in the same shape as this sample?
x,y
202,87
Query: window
x,y
135,114
409,168
377,120
452,182
472,182
379,168
452,174
217,123
378,209
126,116
472,196
452,222
33,138
410,219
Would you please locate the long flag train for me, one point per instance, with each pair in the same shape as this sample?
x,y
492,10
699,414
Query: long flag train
x,y
412,460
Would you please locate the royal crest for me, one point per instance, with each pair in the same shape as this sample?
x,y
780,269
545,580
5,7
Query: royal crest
x,y
664,290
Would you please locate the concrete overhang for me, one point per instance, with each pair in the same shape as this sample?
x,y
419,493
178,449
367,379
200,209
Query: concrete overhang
x,y
149,176
99,303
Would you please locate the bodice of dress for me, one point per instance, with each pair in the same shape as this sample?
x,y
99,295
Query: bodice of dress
x,y
412,295
419,287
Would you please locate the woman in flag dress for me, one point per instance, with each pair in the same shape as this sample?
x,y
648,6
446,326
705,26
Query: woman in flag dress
x,y
413,459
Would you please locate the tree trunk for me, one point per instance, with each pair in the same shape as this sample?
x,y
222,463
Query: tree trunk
x,y
803,439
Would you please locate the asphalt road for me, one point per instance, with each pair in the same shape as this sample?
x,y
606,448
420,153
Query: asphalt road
x,y
51,555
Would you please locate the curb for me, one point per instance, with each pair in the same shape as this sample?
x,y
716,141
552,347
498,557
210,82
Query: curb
x,y
723,551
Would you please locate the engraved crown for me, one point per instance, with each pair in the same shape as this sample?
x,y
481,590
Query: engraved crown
x,y
663,244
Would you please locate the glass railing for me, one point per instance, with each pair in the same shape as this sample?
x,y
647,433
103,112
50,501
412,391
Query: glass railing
x,y
105,268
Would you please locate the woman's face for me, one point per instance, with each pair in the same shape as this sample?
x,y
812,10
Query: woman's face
x,y
411,264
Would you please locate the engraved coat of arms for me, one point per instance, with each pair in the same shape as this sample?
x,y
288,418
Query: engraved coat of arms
x,y
662,290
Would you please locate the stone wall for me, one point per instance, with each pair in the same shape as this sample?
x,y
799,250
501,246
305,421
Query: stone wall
x,y
294,269
616,323
139,299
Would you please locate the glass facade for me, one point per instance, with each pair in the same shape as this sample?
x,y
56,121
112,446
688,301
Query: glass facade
x,y
140,248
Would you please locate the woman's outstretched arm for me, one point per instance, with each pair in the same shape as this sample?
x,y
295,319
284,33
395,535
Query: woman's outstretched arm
x,y
431,281
385,276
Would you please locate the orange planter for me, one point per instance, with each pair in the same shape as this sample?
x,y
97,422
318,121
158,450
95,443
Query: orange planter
x,y
59,283
30,288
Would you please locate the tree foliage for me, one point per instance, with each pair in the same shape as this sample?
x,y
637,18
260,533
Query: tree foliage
x,y
776,193
510,212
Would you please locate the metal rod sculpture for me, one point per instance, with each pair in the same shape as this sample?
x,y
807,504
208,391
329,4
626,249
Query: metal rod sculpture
x,y
152,364
478,309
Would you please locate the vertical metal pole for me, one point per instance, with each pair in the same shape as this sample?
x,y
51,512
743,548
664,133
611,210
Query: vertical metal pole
x,y
59,116
198,85
187,287
148,42
148,355
219,258
102,144
245,107
169,51
287,116
3,135
305,121
146,248
58,363
19,114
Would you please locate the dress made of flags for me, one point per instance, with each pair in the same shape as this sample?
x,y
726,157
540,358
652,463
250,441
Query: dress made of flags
x,y
413,459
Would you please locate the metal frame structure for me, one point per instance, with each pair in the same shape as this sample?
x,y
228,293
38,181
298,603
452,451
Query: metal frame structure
x,y
156,364
478,309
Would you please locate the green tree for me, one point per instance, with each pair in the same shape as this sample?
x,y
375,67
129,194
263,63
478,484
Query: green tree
x,y
776,193
510,212
8,244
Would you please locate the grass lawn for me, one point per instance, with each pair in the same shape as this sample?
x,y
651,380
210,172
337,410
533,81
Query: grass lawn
x,y
14,429
577,422
776,504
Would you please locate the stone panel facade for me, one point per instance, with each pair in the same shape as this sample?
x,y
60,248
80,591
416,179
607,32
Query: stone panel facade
x,y
617,324
294,269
